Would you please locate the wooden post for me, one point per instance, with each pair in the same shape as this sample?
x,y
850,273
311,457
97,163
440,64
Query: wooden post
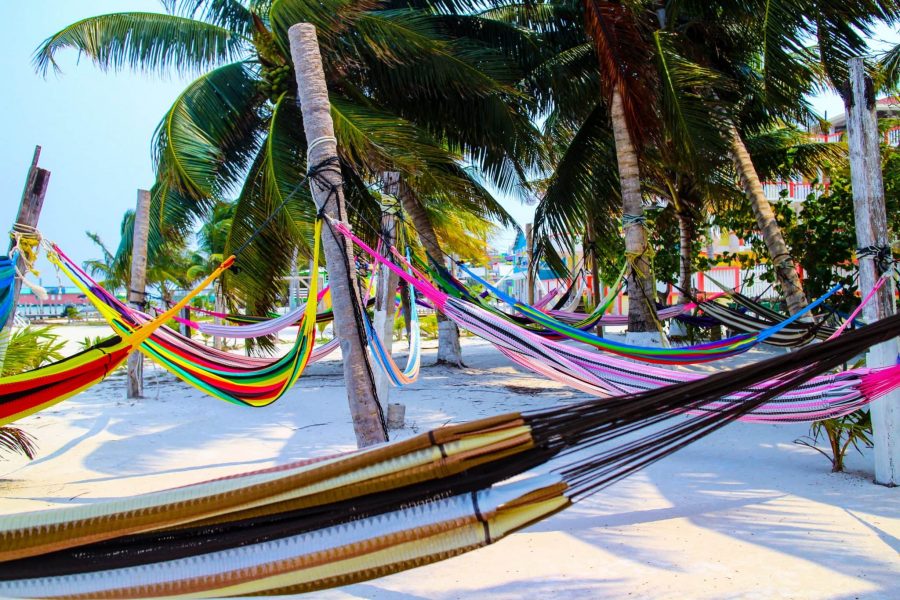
x,y
871,230
387,286
137,289
29,212
529,272
319,128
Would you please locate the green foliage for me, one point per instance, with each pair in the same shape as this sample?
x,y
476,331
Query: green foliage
x,y
415,88
841,433
429,327
665,239
89,342
30,348
72,313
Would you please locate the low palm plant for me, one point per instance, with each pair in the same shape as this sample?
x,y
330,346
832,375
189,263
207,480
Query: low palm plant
x,y
854,430
28,349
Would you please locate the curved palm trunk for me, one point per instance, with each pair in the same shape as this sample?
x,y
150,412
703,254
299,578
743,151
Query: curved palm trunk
x,y
641,283
449,351
779,254
313,94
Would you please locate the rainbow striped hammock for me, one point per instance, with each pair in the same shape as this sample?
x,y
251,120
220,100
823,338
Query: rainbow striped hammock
x,y
343,519
38,389
239,380
827,396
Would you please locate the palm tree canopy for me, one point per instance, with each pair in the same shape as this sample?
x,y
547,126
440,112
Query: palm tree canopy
x,y
416,87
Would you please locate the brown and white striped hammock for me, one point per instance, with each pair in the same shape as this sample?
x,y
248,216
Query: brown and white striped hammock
x,y
348,518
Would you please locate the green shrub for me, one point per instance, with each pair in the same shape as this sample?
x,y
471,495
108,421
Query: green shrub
x,y
841,433
30,348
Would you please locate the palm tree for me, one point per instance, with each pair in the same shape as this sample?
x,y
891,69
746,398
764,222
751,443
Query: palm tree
x,y
167,264
414,87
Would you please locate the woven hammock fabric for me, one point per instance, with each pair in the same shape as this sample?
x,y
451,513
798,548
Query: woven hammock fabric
x,y
342,519
220,375
27,393
828,396
543,323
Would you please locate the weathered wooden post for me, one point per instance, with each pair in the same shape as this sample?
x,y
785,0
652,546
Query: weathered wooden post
x,y
137,293
27,218
872,238
29,213
313,95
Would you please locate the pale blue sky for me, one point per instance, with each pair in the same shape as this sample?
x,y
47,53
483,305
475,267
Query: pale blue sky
x,y
96,128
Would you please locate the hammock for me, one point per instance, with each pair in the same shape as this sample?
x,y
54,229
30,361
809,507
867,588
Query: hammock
x,y
222,375
29,392
705,352
797,334
828,396
382,354
338,520
7,282
767,315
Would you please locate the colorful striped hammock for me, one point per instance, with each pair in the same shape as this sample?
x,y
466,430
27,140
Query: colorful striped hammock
x,y
828,396
339,520
706,352
38,389
227,377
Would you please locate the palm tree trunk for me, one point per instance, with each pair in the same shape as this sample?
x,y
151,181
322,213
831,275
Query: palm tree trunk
x,y
685,251
386,290
641,282
449,351
219,307
779,254
319,128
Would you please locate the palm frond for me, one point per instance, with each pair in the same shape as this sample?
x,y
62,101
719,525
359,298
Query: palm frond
x,y
693,120
230,14
207,139
13,439
583,185
785,152
149,42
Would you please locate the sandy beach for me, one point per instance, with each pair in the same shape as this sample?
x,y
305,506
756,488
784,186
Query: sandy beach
x,y
745,513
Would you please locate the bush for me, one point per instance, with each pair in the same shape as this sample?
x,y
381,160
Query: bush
x,y
841,433
28,349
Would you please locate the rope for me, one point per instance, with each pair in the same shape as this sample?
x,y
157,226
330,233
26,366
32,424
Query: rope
x,y
882,255
628,220
26,242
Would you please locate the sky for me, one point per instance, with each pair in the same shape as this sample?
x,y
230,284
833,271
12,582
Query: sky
x,y
96,128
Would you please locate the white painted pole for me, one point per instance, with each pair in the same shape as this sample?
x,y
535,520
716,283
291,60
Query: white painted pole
x,y
871,230
137,289
386,288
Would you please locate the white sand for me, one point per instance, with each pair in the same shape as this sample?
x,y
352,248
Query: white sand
x,y
744,513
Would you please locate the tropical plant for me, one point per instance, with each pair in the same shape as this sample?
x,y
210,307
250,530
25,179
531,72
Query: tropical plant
x,y
30,348
27,349
414,87
17,441
840,433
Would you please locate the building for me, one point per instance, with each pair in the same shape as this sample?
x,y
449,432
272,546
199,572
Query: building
x,y
30,306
